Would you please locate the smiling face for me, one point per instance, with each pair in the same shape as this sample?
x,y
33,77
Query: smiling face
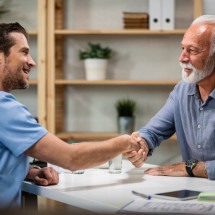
x,y
195,59
15,67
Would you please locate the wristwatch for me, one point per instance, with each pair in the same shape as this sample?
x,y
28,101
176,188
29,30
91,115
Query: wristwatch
x,y
190,165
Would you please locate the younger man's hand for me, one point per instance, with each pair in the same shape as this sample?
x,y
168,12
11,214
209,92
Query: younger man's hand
x,y
45,176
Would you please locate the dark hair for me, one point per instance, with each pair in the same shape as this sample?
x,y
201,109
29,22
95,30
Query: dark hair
x,y
6,40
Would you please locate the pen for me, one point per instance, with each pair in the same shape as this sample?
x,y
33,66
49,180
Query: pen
x,y
141,195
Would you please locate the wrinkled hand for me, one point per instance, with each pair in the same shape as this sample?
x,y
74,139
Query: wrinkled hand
x,y
137,158
177,169
46,176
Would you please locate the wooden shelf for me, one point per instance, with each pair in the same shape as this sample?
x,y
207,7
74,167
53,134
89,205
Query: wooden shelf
x,y
33,82
84,136
115,82
68,32
32,33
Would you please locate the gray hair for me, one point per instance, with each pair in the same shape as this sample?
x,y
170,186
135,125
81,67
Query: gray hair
x,y
208,19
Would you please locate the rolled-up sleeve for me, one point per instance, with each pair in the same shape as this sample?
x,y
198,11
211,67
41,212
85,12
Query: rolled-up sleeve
x,y
161,126
210,167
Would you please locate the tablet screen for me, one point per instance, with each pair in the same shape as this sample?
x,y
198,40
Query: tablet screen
x,y
180,194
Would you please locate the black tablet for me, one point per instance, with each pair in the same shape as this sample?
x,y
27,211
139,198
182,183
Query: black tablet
x,y
178,195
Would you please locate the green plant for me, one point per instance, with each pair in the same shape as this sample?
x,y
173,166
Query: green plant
x,y
95,50
126,107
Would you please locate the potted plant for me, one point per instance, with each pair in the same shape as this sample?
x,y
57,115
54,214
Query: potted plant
x,y
126,115
95,60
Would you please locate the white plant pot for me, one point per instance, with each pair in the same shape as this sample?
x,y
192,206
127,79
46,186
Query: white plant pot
x,y
95,69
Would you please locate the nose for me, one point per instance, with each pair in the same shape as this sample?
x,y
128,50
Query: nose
x,y
184,57
31,62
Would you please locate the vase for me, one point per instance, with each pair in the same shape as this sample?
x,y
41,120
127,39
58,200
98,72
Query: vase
x,y
95,69
125,124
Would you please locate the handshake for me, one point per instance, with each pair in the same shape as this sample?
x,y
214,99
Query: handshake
x,y
136,150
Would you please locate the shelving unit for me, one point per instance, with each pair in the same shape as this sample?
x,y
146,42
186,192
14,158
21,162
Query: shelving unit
x,y
55,72
41,62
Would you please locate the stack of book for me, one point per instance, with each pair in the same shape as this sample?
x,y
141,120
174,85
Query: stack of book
x,y
136,20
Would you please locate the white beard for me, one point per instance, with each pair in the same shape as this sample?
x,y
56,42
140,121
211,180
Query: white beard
x,y
196,75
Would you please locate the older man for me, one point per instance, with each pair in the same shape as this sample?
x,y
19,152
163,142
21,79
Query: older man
x,y
190,108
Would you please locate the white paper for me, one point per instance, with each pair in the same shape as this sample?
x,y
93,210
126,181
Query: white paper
x,y
170,207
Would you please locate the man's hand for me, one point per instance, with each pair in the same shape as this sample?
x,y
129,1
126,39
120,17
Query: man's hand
x,y
177,169
137,158
45,176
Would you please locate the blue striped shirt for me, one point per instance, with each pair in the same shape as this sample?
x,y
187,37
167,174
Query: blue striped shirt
x,y
191,119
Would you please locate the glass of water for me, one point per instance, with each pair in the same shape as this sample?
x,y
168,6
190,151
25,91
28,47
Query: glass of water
x,y
115,165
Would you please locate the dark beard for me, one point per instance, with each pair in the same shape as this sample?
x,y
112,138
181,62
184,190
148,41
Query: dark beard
x,y
12,83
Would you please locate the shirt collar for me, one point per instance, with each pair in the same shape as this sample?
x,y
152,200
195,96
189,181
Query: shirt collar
x,y
193,90
212,94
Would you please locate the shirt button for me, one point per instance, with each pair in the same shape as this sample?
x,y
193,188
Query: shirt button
x,y
199,146
201,108
199,126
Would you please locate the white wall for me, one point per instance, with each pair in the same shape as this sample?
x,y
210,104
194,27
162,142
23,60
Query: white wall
x,y
25,12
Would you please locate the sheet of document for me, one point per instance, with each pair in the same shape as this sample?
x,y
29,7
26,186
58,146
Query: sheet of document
x,y
167,207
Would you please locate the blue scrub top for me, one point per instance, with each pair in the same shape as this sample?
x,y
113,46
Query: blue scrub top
x,y
18,132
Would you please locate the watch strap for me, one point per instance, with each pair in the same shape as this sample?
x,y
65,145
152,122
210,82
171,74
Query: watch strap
x,y
190,165
189,171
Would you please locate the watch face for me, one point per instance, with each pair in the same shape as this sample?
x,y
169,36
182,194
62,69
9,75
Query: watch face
x,y
191,163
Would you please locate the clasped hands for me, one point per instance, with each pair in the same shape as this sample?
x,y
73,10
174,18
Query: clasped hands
x,y
137,158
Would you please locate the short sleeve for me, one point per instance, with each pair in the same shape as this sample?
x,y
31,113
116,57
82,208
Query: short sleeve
x,y
19,129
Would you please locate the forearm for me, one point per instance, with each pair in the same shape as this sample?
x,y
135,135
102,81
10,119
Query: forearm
x,y
96,153
78,156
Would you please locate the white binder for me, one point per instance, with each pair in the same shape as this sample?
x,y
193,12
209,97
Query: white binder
x,y
168,14
155,14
